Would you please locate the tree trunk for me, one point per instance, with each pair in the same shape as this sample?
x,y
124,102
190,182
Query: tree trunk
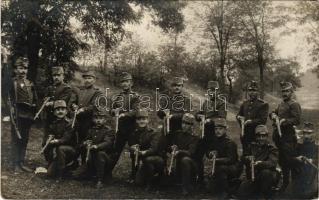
x,y
261,74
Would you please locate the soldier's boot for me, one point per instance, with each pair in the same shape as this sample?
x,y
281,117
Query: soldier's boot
x,y
99,184
25,168
80,172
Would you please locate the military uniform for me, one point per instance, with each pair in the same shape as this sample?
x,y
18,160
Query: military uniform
x,y
178,104
255,110
63,152
152,161
289,110
23,98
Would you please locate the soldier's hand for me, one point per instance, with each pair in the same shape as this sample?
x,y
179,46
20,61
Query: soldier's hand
x,y
282,121
208,120
248,121
74,106
80,110
258,162
142,153
94,147
54,141
49,103
273,116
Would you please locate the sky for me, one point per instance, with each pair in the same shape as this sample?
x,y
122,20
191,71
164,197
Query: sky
x,y
287,46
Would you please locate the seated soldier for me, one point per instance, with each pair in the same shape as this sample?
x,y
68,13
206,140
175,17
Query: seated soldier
x,y
60,140
144,143
227,166
183,145
98,146
305,183
260,159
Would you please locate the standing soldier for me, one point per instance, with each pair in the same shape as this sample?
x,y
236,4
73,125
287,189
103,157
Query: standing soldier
x,y
22,100
88,95
144,145
177,104
124,106
261,160
223,153
252,113
285,117
183,145
305,184
98,146
59,145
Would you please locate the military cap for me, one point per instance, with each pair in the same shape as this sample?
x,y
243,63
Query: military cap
x,y
212,85
177,81
285,86
220,122
99,112
188,118
261,129
308,127
59,104
126,76
21,60
57,70
252,85
141,113
89,73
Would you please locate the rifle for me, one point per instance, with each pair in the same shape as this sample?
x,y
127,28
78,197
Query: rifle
x,y
166,121
202,125
41,108
277,121
88,151
252,166
214,153
173,154
117,114
242,122
310,163
136,152
74,118
13,117
51,137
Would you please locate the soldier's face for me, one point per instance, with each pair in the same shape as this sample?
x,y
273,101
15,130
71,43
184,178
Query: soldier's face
x,y
142,122
261,138
99,120
60,112
220,131
177,88
21,71
253,94
88,81
286,94
126,84
57,78
211,92
187,127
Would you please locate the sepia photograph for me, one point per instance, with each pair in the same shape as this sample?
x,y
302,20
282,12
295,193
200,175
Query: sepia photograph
x,y
159,99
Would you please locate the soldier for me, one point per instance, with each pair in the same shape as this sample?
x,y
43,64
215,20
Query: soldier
x,y
60,138
176,102
226,166
252,112
145,142
264,158
98,147
305,184
124,106
287,115
22,96
184,142
87,102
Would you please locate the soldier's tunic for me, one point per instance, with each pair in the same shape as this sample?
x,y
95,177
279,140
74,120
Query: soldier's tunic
x,y
257,111
178,104
227,166
186,166
291,111
64,150
266,175
23,97
153,160
305,184
128,102
102,158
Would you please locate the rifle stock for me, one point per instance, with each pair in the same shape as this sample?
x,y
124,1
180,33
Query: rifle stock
x,y
214,161
278,126
166,121
202,125
173,154
136,152
88,151
51,137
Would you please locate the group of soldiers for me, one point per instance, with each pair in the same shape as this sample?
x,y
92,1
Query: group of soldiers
x,y
83,141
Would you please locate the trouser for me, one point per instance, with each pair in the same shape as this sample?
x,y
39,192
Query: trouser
x,y
102,162
64,155
186,170
19,146
151,166
223,174
287,150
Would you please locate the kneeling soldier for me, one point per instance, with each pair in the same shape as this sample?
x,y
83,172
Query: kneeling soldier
x,y
99,149
183,145
144,147
261,160
61,139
